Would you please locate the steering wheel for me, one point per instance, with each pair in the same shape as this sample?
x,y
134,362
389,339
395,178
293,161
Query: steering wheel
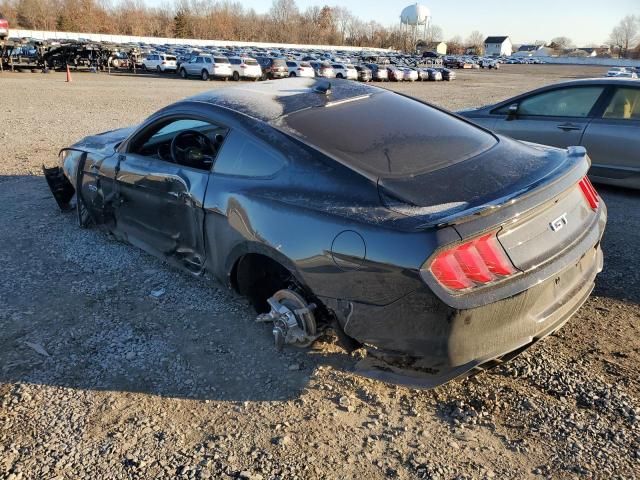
x,y
193,149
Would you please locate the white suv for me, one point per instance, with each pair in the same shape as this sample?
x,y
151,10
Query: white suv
x,y
300,69
245,67
160,62
345,70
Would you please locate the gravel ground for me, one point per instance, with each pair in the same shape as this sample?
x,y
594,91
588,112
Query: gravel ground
x,y
100,379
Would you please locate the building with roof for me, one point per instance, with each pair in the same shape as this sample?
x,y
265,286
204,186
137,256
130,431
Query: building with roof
x,y
437,47
498,46
533,51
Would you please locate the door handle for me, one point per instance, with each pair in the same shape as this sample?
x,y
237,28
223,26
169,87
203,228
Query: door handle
x,y
567,127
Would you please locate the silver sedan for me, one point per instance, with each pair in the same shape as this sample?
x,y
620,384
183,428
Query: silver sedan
x,y
602,115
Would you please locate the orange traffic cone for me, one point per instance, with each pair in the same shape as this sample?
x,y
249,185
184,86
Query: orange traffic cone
x,y
68,75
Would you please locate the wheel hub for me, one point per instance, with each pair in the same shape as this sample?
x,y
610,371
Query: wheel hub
x,y
293,319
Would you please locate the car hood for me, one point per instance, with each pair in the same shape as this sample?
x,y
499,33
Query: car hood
x,y
103,143
496,177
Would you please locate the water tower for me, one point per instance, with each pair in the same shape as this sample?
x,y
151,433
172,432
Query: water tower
x,y
414,18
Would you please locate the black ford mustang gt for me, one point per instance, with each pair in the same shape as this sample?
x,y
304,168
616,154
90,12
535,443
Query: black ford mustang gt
x,y
440,247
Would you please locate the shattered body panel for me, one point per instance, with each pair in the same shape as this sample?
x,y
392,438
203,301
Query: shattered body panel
x,y
351,238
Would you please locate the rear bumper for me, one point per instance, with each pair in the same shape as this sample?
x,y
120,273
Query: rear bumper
x,y
421,342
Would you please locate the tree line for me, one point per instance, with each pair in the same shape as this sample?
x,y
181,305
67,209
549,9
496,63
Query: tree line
x,y
285,22
203,19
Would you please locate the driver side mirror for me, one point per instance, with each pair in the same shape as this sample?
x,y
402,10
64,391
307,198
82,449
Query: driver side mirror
x,y
512,111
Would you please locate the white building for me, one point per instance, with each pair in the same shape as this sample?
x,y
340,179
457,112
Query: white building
x,y
498,46
533,51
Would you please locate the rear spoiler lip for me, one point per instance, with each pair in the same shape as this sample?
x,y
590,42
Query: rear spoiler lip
x,y
568,173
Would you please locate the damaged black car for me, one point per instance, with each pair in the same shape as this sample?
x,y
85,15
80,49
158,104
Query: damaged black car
x,y
439,247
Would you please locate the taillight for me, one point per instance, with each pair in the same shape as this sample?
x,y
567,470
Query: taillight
x,y
477,262
590,194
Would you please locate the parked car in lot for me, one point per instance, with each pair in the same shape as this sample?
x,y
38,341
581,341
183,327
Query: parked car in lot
x,y
621,72
344,70
447,74
206,67
160,62
4,27
323,69
431,74
273,68
439,250
245,67
364,74
410,75
489,63
603,115
300,69
379,73
395,74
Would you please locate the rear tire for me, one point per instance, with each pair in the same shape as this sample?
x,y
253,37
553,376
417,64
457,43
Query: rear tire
x,y
339,76
236,76
292,74
158,69
183,73
204,76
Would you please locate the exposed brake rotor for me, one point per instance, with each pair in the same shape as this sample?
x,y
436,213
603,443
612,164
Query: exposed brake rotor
x,y
293,320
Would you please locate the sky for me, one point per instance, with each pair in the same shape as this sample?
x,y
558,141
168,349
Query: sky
x,y
584,21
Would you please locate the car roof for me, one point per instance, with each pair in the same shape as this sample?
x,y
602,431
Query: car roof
x,y
269,101
598,81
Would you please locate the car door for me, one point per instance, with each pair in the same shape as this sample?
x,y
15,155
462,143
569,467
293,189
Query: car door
x,y
557,117
613,138
160,202
190,66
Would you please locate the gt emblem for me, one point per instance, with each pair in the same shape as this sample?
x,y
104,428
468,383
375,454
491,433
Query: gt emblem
x,y
559,222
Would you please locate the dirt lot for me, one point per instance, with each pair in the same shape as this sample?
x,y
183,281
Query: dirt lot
x,y
100,380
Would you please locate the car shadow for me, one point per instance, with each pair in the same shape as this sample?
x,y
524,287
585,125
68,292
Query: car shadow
x,y
81,310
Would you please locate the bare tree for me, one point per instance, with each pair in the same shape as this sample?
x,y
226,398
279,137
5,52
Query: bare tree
x,y
561,43
455,46
625,34
475,41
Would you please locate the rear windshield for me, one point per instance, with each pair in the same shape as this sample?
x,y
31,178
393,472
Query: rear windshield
x,y
393,135
221,60
278,62
170,58
250,61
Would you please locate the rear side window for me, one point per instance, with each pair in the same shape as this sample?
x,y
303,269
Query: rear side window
x,y
409,138
625,105
564,102
244,157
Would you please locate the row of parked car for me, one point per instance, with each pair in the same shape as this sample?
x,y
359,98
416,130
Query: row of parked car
x,y
623,72
207,66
